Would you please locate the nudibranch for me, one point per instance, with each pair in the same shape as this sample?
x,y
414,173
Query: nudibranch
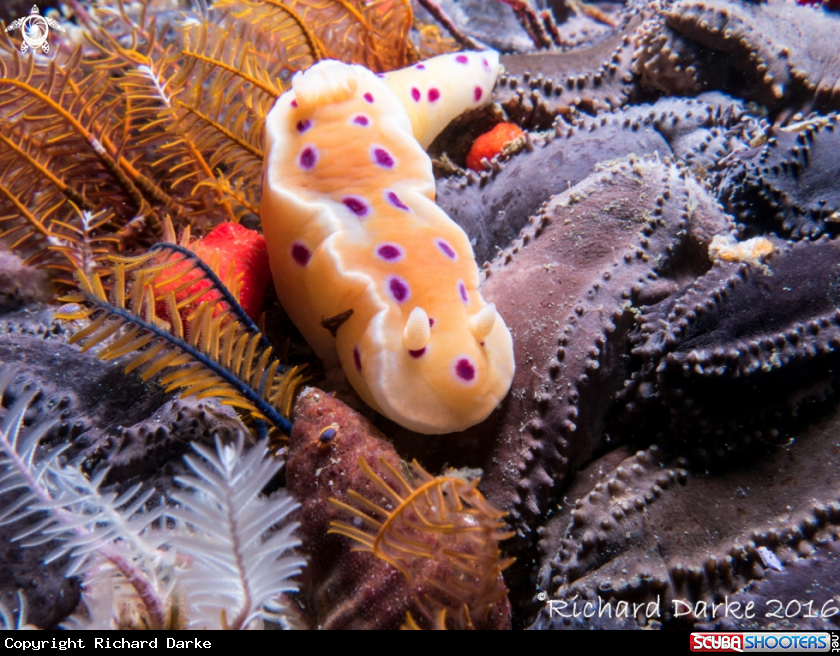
x,y
350,222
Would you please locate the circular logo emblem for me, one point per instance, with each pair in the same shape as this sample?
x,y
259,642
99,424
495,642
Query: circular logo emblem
x,y
35,30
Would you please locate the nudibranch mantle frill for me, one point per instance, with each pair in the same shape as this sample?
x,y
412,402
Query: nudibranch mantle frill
x,y
350,221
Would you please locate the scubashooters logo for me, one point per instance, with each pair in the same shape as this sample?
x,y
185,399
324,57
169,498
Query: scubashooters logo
x,y
35,30
763,641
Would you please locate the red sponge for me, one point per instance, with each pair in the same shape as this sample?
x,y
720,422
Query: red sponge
x,y
245,249
233,251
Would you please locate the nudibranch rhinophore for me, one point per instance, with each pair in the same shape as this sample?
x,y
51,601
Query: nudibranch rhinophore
x,y
350,222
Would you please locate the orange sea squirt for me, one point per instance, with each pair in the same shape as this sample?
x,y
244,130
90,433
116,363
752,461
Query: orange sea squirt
x,y
490,144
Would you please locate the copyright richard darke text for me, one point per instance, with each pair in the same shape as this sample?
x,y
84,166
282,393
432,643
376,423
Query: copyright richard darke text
x,y
105,643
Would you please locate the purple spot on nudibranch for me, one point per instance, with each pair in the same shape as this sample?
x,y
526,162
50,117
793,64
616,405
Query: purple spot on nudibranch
x,y
300,253
395,201
462,290
485,64
389,252
308,157
293,103
382,158
417,353
303,125
368,97
431,322
446,248
464,369
462,59
357,359
355,205
399,288
477,93
380,75
421,67
415,94
434,94
361,119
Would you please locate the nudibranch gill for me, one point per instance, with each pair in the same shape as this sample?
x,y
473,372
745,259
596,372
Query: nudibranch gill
x,y
350,222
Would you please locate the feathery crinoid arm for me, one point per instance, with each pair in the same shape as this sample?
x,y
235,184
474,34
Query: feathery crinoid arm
x,y
56,504
163,319
242,546
373,33
158,113
440,532
15,621
85,240
234,547
226,83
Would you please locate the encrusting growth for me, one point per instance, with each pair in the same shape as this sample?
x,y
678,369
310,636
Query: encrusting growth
x,y
443,520
439,536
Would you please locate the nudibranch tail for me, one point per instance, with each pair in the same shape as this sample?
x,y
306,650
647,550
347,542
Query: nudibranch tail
x,y
349,218
437,90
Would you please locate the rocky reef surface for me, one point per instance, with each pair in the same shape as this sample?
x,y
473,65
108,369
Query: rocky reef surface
x,y
670,441
678,125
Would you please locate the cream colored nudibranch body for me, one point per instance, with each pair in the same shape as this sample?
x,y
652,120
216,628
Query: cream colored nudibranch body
x,y
350,221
